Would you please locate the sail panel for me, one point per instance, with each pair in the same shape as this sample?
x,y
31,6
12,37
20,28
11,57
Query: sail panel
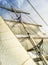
x,y
17,28
11,51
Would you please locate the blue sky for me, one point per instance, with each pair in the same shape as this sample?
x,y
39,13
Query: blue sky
x,y
40,5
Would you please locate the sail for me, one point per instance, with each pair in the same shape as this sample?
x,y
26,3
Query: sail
x,y
11,51
18,28
21,34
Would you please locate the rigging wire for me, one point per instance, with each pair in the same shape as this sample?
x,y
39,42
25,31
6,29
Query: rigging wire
x,y
32,29
35,32
37,49
26,18
14,5
15,11
32,19
33,43
25,14
37,12
17,16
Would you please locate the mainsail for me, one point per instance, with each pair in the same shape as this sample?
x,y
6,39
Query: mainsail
x,y
11,51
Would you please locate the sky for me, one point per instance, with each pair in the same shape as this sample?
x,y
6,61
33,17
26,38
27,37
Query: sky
x,y
40,5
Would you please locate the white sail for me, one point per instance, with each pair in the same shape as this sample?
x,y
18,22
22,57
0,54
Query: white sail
x,y
21,34
11,51
18,28
24,38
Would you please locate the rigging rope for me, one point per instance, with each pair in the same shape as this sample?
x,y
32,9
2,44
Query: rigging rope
x,y
37,49
33,43
17,16
25,14
20,19
37,12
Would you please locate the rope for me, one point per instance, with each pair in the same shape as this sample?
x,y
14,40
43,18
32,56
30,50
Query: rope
x,y
33,43
17,16
37,12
